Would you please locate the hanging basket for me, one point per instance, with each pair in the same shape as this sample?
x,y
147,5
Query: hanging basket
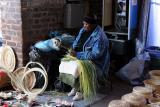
x,y
143,91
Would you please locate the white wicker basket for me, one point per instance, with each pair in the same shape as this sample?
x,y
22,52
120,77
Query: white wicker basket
x,y
143,91
119,103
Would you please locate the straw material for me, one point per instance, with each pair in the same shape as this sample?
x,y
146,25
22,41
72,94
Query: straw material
x,y
29,80
155,74
7,58
143,91
134,99
118,103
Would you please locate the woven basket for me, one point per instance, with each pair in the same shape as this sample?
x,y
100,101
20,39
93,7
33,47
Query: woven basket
x,y
155,74
7,58
143,91
153,84
134,99
118,103
153,100
29,81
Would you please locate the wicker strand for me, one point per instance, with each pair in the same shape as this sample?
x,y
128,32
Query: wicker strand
x,y
19,81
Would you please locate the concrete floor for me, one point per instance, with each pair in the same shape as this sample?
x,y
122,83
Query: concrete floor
x,y
119,89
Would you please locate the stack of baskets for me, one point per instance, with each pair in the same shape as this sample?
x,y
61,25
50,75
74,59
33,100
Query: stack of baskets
x,y
142,96
137,98
154,81
7,61
146,92
154,84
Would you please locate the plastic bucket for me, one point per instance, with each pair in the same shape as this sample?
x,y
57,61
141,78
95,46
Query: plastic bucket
x,y
154,53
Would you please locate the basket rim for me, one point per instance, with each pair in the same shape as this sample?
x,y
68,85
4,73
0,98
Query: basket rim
x,y
19,72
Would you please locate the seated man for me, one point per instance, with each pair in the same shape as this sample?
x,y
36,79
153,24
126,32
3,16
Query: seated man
x,y
91,44
48,53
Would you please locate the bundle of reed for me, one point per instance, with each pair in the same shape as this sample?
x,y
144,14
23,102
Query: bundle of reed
x,y
87,77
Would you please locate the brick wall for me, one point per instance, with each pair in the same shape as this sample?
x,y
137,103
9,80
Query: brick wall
x,y
96,7
11,23
39,17
26,21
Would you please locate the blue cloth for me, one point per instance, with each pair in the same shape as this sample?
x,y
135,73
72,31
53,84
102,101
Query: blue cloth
x,y
95,49
49,45
46,46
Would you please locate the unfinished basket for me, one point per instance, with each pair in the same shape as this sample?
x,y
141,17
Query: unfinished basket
x,y
118,103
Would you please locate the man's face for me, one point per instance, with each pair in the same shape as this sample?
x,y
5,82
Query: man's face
x,y
87,26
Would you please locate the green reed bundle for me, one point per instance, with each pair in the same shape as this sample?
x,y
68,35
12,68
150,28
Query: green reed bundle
x,y
88,83
87,78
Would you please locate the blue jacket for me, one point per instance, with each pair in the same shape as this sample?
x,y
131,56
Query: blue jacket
x,y
95,49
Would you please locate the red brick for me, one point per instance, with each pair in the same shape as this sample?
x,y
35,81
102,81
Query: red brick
x,y
10,43
7,37
18,50
16,27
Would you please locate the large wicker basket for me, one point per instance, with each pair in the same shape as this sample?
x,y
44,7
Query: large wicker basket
x,y
134,99
29,81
